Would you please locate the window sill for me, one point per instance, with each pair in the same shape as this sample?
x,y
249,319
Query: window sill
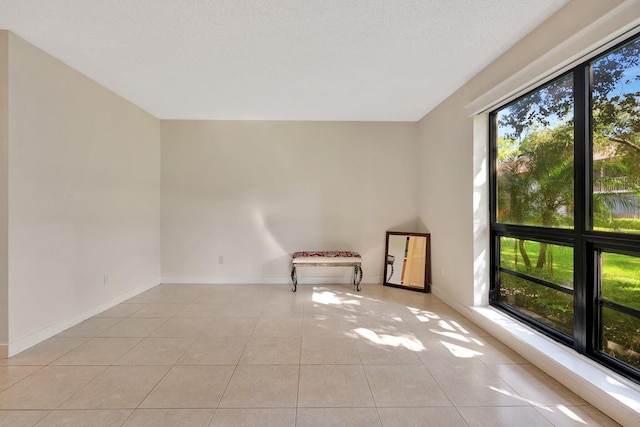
x,y
611,393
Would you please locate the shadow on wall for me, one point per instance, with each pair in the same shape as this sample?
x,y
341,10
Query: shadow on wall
x,y
290,232
413,225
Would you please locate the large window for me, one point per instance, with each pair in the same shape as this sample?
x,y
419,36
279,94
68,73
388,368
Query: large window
x,y
565,208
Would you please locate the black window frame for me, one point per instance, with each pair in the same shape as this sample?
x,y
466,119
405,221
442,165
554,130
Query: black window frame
x,y
585,241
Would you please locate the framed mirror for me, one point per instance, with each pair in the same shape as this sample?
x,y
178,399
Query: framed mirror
x,y
408,261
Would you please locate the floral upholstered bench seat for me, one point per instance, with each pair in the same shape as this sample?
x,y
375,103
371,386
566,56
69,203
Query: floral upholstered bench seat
x,y
327,259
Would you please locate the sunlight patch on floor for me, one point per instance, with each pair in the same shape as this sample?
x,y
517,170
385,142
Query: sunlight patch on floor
x,y
569,413
460,351
406,341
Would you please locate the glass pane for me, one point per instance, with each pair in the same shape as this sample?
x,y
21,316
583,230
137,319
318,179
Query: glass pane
x,y
616,140
546,305
621,336
535,157
621,279
553,263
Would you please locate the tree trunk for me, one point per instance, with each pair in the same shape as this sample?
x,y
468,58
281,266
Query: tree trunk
x,y
523,252
542,255
547,220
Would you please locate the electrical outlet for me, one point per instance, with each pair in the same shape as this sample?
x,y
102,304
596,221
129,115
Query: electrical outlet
x,y
106,279
221,259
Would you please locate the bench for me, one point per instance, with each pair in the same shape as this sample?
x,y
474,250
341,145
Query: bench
x,y
327,259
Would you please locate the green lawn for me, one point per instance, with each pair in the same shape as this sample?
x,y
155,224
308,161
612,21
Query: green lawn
x,y
620,284
620,273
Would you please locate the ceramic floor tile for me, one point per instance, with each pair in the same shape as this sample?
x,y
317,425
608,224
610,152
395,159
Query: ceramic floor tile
x,y
467,327
282,311
286,327
11,374
334,386
178,298
159,310
139,327
526,416
535,386
182,327
45,352
575,416
271,351
198,355
284,296
494,352
254,417
477,385
330,417
86,418
214,351
419,417
238,310
90,327
444,348
404,386
147,297
230,328
98,351
118,387
329,351
21,418
438,311
325,326
190,387
169,417
125,309
262,386
390,325
201,311
156,351
389,350
48,387
217,297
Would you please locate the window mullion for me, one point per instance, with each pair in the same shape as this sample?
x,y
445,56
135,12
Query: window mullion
x,y
584,295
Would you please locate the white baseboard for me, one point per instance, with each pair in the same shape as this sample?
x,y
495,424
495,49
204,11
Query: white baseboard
x,y
37,337
225,280
263,280
611,393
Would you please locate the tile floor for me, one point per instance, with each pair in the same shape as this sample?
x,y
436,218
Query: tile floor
x,y
260,355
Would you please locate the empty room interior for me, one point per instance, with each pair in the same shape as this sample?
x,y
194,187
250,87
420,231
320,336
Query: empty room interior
x,y
162,161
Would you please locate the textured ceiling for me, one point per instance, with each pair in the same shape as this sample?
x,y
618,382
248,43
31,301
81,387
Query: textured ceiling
x,y
364,60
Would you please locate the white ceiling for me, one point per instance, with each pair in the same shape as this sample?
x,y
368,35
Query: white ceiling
x,y
369,60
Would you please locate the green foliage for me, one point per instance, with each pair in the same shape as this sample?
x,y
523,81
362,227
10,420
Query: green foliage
x,y
621,337
544,304
630,225
535,186
620,284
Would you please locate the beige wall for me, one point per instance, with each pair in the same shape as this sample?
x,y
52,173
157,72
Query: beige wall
x,y
453,172
84,196
4,142
253,192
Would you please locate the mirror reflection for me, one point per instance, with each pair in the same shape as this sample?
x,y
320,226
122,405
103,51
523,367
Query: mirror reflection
x,y
407,260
